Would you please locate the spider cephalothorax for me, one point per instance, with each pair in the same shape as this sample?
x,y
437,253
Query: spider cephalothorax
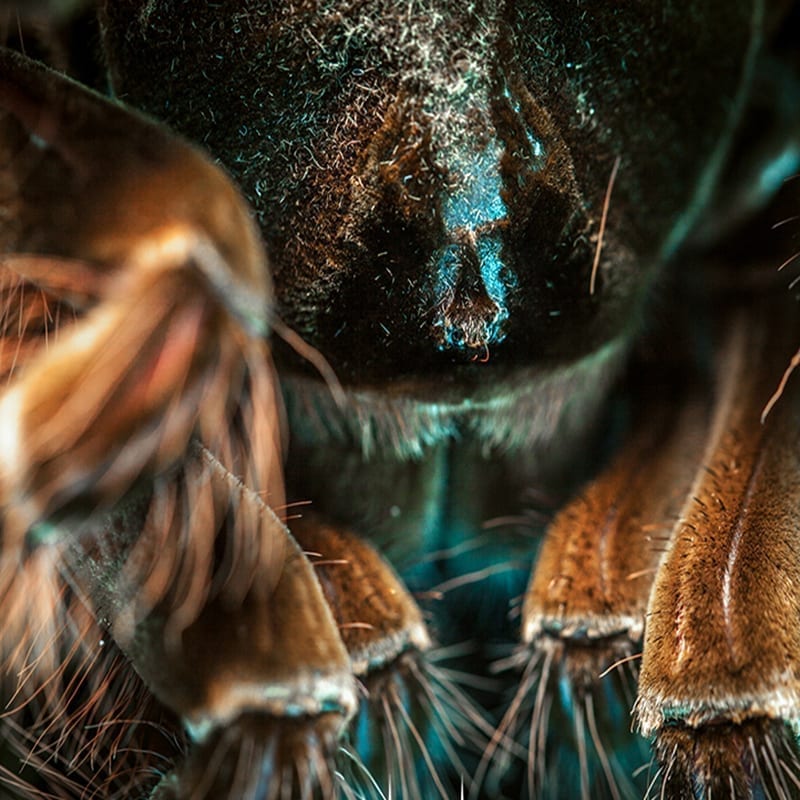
x,y
504,254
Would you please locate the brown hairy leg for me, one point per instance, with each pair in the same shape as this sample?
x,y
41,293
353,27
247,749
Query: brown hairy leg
x,y
583,614
719,679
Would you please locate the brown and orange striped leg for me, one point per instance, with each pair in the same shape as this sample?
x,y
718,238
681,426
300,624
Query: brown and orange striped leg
x,y
134,301
584,610
243,647
409,702
134,297
720,678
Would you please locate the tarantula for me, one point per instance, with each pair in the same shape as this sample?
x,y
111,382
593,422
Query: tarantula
x,y
462,457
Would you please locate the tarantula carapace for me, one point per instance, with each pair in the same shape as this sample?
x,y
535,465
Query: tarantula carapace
x,y
505,306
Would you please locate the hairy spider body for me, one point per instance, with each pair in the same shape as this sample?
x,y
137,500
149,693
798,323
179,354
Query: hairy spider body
x,y
502,260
